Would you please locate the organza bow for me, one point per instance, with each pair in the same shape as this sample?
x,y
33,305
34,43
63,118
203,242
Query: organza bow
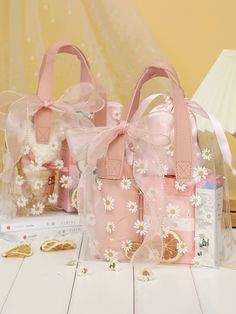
x,y
145,134
82,97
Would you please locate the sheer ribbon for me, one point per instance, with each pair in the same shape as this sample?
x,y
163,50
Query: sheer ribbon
x,y
148,135
82,97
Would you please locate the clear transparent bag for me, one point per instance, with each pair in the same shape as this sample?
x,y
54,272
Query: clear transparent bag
x,y
184,215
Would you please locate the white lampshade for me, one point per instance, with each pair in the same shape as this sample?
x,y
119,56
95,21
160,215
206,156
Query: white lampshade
x,y
217,92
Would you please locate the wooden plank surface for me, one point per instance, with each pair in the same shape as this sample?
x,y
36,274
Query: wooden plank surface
x,y
43,284
171,292
103,292
216,289
8,273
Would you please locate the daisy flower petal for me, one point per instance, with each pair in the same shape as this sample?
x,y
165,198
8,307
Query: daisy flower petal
x,y
182,247
110,227
206,154
132,206
200,173
141,227
180,186
109,203
173,211
65,181
125,183
110,255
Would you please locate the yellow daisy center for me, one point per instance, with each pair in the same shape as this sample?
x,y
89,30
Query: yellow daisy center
x,y
208,215
141,228
173,211
201,173
146,273
108,202
110,254
182,246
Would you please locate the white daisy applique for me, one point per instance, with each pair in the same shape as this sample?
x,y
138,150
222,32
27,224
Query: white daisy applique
x,y
19,180
38,184
195,200
52,199
99,184
206,154
180,186
126,245
37,209
170,150
109,203
54,146
182,247
65,181
200,173
125,184
110,227
141,166
59,164
173,211
132,206
36,164
165,231
75,204
207,217
110,255
141,227
201,236
21,201
26,150
116,115
163,170
145,275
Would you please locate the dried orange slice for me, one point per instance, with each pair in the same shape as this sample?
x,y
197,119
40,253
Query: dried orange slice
x,y
57,245
170,252
135,246
22,250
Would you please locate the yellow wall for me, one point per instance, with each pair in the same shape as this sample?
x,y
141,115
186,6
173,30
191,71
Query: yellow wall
x,y
191,33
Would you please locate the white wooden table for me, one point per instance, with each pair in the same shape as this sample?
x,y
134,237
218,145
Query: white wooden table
x,y
45,284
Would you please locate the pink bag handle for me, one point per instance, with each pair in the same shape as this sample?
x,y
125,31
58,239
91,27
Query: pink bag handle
x,y
149,73
182,124
42,119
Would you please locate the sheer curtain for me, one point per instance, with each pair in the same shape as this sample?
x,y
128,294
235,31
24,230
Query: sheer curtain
x,y
111,33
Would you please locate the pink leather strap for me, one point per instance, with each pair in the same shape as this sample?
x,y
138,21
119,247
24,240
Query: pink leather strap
x,y
42,119
182,125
